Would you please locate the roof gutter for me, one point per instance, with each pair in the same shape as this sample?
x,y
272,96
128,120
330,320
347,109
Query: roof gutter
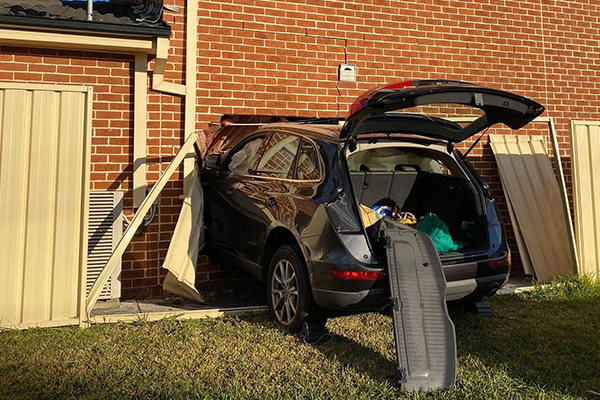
x,y
187,90
69,28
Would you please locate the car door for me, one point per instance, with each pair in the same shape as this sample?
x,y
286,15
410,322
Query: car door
x,y
262,201
221,188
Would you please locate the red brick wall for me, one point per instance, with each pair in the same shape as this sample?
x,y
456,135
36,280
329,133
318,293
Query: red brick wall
x,y
111,76
281,57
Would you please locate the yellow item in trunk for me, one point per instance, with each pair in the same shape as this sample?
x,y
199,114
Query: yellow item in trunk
x,y
407,218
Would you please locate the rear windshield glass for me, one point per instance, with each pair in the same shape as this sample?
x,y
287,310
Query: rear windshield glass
x,y
453,112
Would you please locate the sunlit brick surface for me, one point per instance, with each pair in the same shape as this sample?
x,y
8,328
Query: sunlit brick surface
x,y
281,58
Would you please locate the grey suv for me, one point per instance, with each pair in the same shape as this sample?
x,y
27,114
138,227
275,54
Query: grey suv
x,y
284,201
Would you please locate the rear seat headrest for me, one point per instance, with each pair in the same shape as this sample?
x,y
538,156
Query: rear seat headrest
x,y
407,168
373,168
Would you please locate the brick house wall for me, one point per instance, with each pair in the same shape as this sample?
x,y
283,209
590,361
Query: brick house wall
x,y
111,76
281,58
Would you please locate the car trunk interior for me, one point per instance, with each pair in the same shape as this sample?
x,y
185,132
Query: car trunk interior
x,y
420,181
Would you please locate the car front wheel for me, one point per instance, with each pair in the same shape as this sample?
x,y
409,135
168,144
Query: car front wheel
x,y
288,288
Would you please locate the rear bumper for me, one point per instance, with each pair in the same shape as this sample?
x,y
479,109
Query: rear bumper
x,y
363,300
475,288
467,279
377,299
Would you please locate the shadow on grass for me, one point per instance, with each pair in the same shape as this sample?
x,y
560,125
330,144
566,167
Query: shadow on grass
x,y
553,344
350,354
361,358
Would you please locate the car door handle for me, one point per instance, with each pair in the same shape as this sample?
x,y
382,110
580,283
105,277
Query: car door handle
x,y
230,192
271,202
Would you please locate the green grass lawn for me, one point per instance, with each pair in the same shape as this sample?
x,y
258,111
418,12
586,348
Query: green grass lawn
x,y
540,345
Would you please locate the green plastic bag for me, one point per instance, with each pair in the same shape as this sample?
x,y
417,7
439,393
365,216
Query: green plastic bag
x,y
439,233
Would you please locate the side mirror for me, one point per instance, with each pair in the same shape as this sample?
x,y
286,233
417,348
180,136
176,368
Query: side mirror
x,y
212,161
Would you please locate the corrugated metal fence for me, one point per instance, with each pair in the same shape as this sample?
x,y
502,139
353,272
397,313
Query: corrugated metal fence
x,y
44,183
585,153
533,195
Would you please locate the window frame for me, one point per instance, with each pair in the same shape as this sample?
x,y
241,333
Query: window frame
x,y
268,136
318,159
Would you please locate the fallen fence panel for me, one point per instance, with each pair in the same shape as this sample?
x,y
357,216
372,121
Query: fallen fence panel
x,y
187,239
136,222
529,183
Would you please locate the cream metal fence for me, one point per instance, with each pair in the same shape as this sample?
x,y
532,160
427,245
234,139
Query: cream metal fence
x,y
45,133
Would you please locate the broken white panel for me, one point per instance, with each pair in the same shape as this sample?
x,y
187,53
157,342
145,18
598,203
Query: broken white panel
x,y
187,240
135,223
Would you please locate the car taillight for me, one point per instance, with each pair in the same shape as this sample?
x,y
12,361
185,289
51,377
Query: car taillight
x,y
361,101
358,275
358,105
399,85
499,263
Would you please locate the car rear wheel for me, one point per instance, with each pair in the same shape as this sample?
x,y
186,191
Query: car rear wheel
x,y
288,288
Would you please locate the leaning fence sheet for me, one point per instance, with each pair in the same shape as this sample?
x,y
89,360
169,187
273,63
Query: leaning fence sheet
x,y
523,252
423,330
585,152
136,221
531,187
187,239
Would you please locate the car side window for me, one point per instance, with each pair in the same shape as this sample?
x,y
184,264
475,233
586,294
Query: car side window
x,y
308,163
244,158
278,157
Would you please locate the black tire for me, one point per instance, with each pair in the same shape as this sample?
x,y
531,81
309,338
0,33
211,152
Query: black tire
x,y
289,303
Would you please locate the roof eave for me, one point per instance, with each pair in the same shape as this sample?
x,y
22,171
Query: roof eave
x,y
88,27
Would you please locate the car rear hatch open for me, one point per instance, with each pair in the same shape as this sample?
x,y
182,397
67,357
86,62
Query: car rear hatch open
x,y
424,333
373,112
446,111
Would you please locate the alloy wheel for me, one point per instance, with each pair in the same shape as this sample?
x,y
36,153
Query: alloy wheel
x,y
284,291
